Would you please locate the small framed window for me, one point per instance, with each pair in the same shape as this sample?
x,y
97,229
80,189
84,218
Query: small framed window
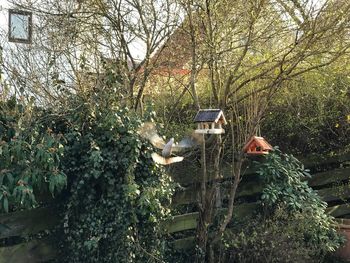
x,y
20,26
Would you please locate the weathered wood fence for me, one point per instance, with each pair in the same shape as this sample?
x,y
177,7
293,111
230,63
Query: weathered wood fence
x,y
330,177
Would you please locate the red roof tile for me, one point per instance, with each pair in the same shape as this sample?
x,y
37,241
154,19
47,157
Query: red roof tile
x,y
260,141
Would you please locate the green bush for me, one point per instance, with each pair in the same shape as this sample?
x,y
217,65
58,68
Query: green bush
x,y
286,187
88,154
293,225
277,238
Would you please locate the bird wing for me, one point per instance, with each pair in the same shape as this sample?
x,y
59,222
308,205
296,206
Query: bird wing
x,y
166,161
184,144
148,131
168,148
188,142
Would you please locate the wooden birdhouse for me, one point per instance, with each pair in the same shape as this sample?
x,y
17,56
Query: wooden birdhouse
x,y
210,121
257,146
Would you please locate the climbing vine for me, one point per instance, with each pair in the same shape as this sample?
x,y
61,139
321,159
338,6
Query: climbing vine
x,y
118,196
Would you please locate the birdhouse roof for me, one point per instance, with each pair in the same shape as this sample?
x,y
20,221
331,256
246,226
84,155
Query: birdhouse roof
x,y
260,141
210,115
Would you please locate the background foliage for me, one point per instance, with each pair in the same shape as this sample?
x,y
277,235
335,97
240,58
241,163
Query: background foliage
x,y
312,114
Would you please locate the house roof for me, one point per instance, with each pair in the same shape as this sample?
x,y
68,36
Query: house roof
x,y
171,71
260,141
209,115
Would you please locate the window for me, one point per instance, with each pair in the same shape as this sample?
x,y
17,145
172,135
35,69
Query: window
x,y
20,26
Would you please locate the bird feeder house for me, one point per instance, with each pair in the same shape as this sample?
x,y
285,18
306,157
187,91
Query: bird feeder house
x,y
257,146
210,121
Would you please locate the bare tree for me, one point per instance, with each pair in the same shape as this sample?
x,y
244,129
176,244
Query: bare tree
x,y
248,50
77,40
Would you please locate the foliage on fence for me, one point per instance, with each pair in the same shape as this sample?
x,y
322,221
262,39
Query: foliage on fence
x,y
118,195
114,194
27,223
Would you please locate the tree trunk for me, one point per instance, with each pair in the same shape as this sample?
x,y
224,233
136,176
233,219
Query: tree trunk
x,y
209,199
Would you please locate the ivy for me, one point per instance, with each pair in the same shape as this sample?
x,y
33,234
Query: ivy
x,y
117,194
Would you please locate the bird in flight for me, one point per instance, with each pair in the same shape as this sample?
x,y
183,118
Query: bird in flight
x,y
148,131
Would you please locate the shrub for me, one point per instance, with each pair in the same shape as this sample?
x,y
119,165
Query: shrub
x,y
293,225
30,156
277,238
312,115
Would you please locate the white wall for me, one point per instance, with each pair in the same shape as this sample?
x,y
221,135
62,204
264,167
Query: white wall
x,y
4,5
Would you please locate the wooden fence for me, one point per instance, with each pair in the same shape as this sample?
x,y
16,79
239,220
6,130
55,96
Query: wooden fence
x,y
330,176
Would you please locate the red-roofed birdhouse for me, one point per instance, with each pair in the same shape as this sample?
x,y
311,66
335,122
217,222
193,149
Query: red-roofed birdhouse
x,y
257,146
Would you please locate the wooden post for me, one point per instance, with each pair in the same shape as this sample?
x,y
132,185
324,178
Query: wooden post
x,y
202,227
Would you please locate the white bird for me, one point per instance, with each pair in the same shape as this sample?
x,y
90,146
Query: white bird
x,y
148,131
165,159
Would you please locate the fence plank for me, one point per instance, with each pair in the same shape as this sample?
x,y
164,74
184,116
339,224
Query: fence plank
x,y
189,221
32,252
318,160
187,173
339,210
190,194
22,223
329,177
184,243
335,193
